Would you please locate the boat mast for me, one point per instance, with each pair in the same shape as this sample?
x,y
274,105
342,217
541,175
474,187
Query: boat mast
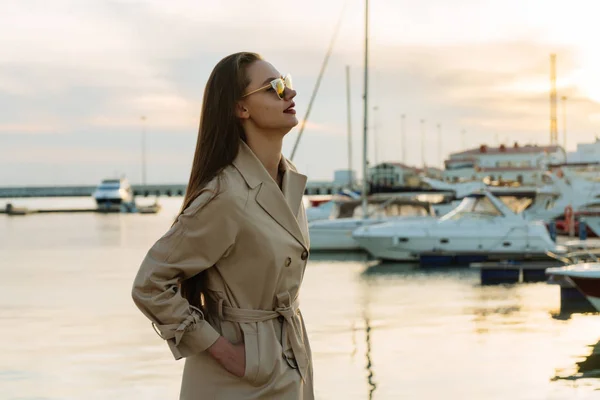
x,y
318,83
349,127
365,185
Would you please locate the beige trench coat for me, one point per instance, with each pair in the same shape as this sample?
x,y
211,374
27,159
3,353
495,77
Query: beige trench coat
x,y
251,242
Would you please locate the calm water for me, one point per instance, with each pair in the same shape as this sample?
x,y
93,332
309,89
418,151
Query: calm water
x,y
69,329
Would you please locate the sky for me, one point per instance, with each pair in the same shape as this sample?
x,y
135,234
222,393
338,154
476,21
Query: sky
x,y
76,77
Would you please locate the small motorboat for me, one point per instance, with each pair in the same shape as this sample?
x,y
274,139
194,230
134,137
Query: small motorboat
x,y
150,209
482,226
12,210
585,277
114,195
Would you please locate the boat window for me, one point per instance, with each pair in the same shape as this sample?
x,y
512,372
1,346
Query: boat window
x,y
484,205
516,204
379,210
473,207
109,186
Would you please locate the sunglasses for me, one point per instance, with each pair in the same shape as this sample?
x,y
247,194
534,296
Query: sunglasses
x,y
278,85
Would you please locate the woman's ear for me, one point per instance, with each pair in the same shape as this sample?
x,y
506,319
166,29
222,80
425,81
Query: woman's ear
x,y
241,111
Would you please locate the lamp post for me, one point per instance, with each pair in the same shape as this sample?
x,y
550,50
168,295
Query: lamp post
x,y
143,118
439,132
423,142
403,137
564,110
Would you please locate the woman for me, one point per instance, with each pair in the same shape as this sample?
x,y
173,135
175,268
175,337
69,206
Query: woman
x,y
221,286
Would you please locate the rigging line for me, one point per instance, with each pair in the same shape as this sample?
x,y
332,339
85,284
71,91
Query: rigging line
x,y
318,83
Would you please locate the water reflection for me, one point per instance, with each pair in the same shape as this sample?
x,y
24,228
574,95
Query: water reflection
x,y
366,315
339,256
587,368
369,366
376,269
567,313
492,306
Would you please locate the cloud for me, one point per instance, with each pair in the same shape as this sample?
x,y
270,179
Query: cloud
x,y
79,75
35,128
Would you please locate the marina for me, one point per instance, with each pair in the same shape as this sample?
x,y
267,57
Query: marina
x,y
453,246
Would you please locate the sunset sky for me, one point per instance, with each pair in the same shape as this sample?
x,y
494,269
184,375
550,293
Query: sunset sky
x,y
76,76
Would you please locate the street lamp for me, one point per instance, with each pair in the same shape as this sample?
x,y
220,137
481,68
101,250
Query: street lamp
x,y
403,137
143,118
423,142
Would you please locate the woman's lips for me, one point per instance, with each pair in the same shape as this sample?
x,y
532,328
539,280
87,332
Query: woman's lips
x,y
290,109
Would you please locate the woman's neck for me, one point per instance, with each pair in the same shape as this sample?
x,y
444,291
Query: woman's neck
x,y
268,151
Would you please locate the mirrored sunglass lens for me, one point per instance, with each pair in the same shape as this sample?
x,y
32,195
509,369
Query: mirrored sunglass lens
x,y
279,87
288,81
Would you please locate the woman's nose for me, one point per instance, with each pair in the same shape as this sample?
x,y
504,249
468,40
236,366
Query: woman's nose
x,y
289,94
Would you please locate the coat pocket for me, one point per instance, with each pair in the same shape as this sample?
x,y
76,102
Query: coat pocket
x,y
262,350
250,334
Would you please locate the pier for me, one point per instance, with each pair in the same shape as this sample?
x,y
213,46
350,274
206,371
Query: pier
x,y
86,191
312,188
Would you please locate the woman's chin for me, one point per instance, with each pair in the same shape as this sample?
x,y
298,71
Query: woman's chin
x,y
292,120
285,125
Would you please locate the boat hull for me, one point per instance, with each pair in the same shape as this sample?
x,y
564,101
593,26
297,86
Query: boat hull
x,y
384,248
430,240
331,240
585,277
590,287
333,235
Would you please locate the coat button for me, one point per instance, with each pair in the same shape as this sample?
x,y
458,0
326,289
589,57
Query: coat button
x,y
288,262
304,255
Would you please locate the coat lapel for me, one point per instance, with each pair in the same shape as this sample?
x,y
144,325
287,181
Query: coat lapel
x,y
284,206
293,188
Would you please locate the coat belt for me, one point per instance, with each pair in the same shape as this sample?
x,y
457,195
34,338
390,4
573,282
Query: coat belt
x,y
291,336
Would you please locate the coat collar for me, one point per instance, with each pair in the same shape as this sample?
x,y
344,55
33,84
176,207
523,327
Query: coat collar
x,y
282,205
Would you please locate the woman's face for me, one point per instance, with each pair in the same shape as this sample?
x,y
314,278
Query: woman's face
x,y
264,108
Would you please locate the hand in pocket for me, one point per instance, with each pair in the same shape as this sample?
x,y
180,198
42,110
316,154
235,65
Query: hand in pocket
x,y
231,356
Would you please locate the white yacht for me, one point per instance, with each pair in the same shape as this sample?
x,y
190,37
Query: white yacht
x,y
113,194
336,234
482,225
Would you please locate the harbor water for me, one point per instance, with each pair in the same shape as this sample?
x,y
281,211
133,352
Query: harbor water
x,y
69,329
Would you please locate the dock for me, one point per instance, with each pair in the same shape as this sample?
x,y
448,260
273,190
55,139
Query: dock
x,y
22,211
86,191
443,259
514,272
507,272
173,189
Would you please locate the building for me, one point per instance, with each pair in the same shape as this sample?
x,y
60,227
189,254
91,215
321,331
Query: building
x,y
396,175
586,153
523,164
393,174
344,177
432,172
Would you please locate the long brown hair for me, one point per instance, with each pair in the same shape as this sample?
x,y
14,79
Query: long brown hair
x,y
218,137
